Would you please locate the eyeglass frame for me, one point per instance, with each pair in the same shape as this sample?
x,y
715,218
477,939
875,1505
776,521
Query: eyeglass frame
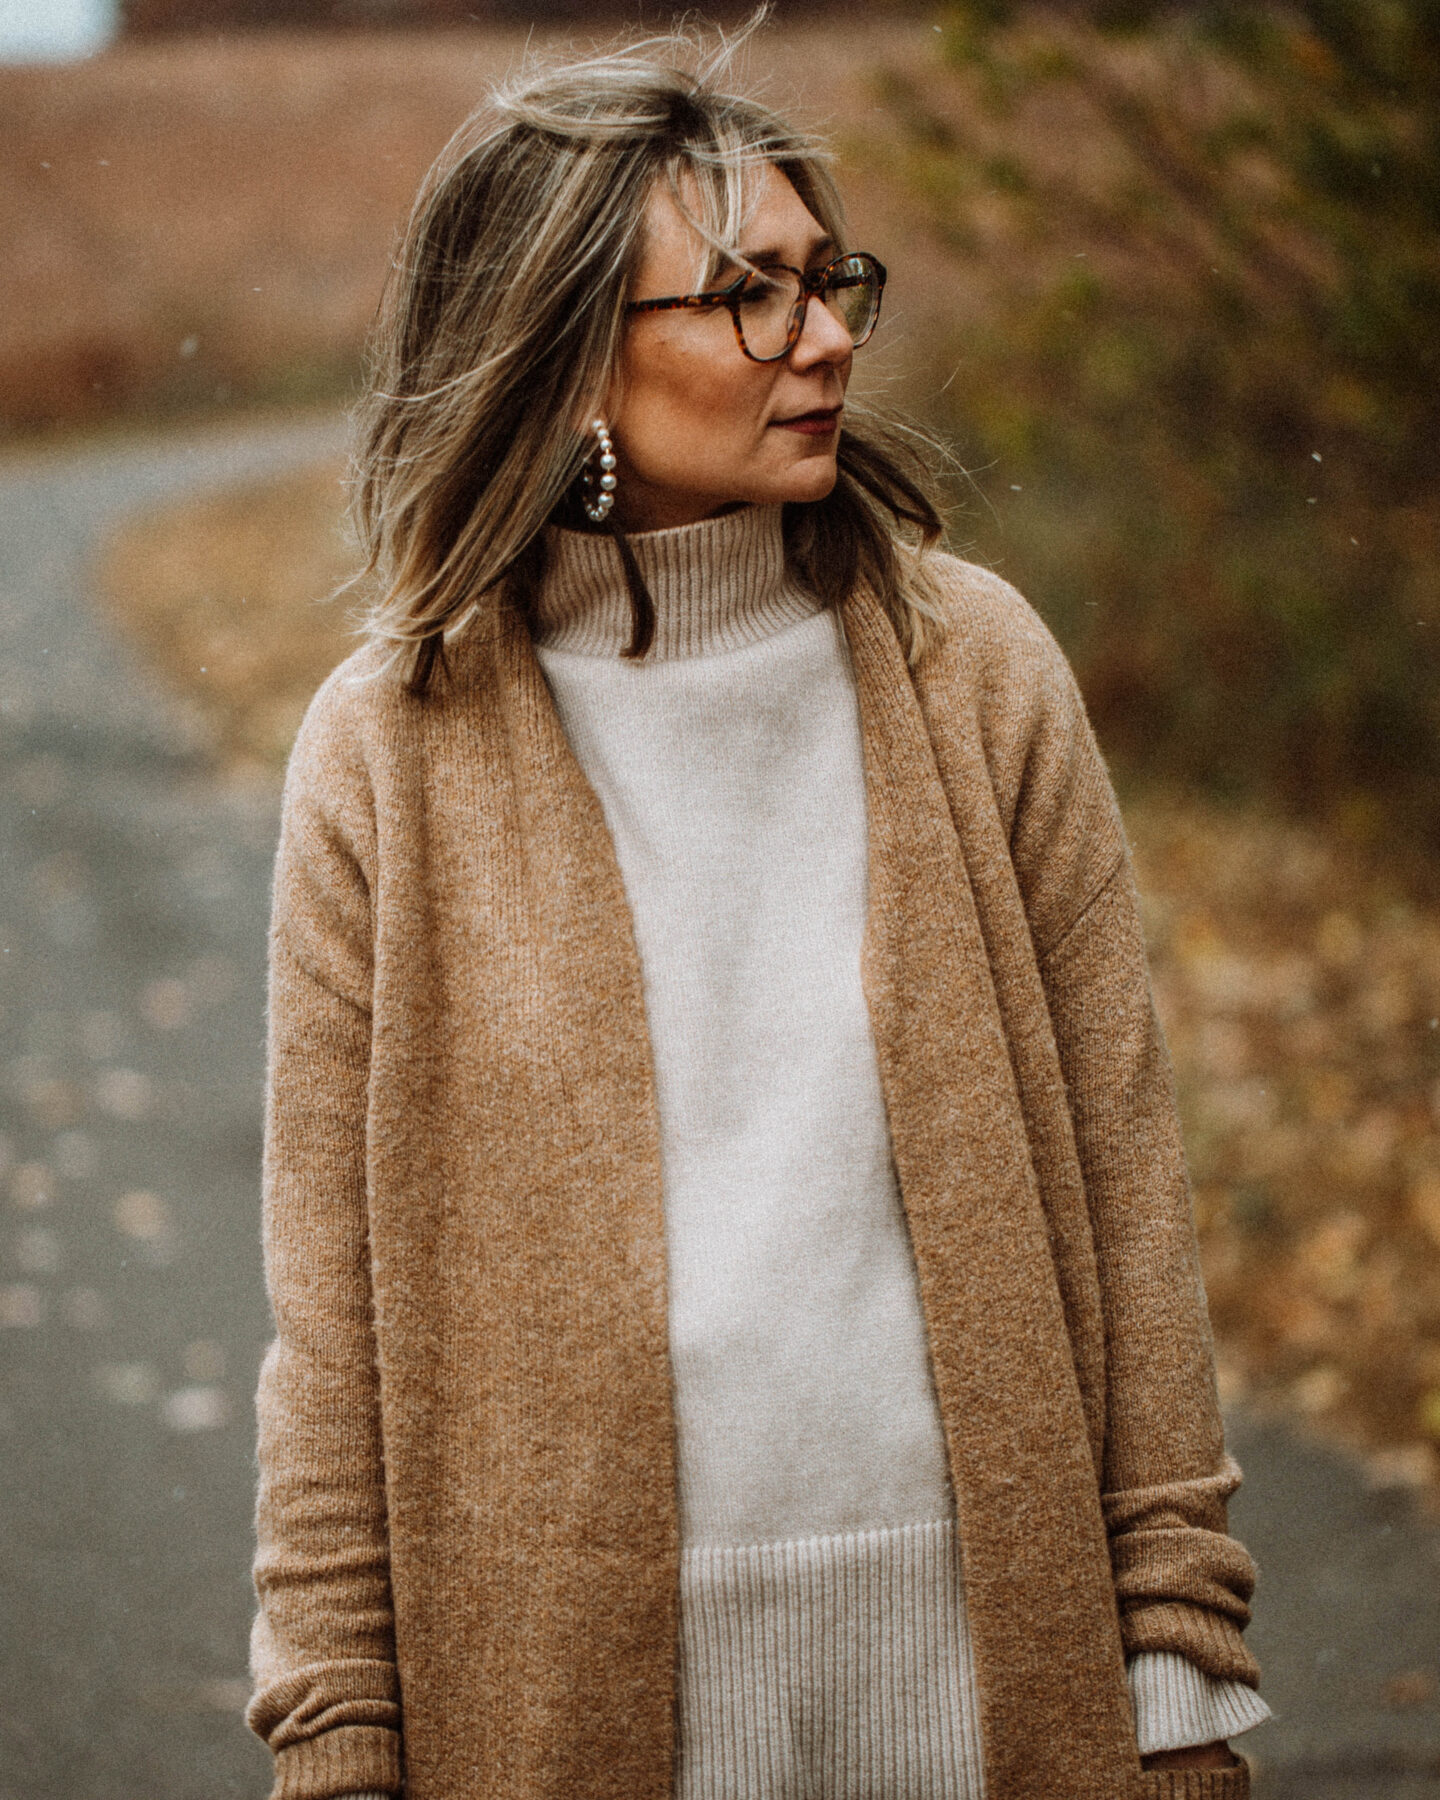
x,y
812,285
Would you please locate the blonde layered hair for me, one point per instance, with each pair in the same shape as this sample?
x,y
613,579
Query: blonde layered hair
x,y
501,325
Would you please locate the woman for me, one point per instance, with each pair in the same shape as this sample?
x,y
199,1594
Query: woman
x,y
739,1333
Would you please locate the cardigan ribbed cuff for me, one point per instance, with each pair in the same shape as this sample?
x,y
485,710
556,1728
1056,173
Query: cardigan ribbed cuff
x,y
350,1759
1197,1784
1177,1705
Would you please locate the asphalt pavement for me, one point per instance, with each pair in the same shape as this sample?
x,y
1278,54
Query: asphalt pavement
x,y
133,895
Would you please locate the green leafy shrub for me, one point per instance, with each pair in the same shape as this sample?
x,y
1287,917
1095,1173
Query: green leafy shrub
x,y
1194,354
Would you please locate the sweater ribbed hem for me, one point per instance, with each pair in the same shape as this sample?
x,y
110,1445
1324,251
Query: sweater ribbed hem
x,y
717,585
351,1759
1177,1705
1197,1784
833,1665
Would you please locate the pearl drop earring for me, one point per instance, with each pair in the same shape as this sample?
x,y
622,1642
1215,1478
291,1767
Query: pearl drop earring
x,y
603,490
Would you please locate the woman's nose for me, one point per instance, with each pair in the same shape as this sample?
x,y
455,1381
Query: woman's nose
x,y
822,337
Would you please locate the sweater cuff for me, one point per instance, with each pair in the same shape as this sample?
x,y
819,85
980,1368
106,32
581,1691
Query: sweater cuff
x,y
349,1759
1197,1784
1177,1705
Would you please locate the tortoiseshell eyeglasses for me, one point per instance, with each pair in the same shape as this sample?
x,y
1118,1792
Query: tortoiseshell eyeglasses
x,y
768,306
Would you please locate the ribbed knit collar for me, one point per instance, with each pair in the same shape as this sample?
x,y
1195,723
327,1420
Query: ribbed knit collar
x,y
717,585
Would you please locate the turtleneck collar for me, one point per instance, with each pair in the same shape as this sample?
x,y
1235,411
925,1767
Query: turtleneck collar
x,y
717,585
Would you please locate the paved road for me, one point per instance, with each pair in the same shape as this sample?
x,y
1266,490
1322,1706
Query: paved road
x,y
132,911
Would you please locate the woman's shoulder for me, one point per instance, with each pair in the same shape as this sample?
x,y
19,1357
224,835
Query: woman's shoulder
x,y
991,642
997,680
985,619
344,723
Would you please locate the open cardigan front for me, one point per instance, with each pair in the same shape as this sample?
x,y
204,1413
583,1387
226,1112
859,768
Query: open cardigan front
x,y
467,1431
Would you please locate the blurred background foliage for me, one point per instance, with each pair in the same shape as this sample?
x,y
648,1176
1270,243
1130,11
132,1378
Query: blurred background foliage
x,y
1203,249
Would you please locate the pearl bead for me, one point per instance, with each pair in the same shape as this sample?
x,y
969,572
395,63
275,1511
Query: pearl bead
x,y
607,484
607,462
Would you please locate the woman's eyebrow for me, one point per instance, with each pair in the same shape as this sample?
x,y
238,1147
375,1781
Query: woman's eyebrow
x,y
775,254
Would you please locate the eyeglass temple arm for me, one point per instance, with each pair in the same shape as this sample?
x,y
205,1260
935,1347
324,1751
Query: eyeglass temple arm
x,y
674,302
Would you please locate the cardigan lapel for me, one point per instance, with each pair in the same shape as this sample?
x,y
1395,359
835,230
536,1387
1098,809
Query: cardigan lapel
x,y
1039,1590
574,1227
595,1029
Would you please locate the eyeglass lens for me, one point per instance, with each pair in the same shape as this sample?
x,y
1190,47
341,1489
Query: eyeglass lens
x,y
769,307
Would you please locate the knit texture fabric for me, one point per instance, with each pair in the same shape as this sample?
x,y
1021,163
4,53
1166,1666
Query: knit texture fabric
x,y
1197,1784
835,1666
1177,1704
468,1417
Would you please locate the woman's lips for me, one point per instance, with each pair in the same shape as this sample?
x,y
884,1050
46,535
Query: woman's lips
x,y
811,424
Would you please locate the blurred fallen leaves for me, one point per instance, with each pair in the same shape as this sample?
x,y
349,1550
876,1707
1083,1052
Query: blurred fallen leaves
x,y
1416,1687
1299,986
228,596
1300,989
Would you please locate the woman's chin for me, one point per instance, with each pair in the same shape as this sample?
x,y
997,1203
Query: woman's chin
x,y
659,508
809,480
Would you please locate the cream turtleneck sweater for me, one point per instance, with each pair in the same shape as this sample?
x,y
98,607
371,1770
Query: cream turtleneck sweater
x,y
823,1644
824,1651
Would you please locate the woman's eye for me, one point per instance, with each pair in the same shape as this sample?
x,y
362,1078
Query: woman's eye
x,y
761,291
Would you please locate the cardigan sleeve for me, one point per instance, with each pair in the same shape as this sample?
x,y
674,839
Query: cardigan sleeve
x,y
322,1648
1182,1583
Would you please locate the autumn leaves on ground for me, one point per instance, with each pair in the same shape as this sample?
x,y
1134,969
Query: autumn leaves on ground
x,y
1173,291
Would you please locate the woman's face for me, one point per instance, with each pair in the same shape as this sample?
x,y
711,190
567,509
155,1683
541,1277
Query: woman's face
x,y
697,425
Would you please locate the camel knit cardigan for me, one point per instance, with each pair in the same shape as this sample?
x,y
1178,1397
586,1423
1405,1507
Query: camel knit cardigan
x,y
467,1433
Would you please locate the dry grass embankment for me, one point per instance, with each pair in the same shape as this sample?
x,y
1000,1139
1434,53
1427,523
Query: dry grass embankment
x,y
190,222
1299,987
